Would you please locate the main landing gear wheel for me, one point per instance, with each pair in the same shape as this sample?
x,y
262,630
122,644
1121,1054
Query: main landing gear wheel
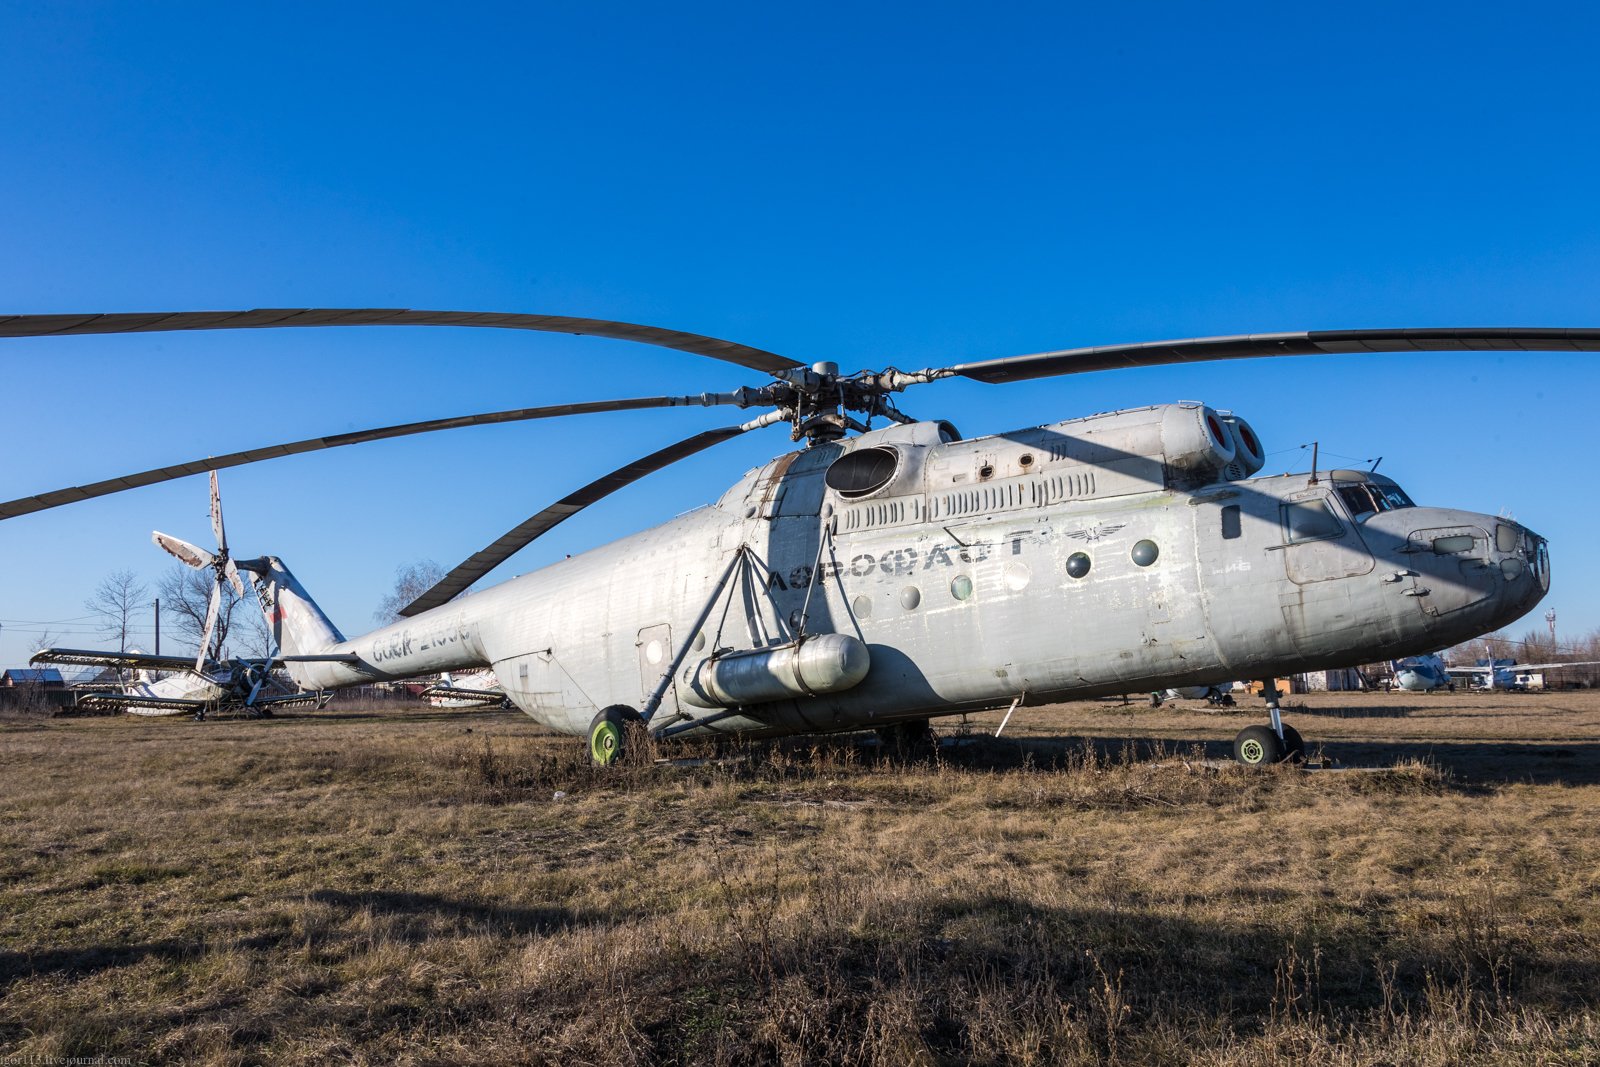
x,y
608,734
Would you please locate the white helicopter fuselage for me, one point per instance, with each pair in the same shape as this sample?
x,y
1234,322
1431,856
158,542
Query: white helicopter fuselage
x,y
1097,556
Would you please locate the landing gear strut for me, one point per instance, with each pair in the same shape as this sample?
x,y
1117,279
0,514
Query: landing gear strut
x,y
1256,746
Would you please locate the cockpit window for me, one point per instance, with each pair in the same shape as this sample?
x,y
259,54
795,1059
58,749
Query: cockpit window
x,y
1393,496
1358,500
1368,498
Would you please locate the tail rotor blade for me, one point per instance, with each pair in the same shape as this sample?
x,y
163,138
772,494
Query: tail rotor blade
x,y
212,609
232,574
190,555
216,517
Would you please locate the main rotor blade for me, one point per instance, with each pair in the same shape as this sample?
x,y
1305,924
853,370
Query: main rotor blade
x,y
523,534
71,495
1249,346
273,318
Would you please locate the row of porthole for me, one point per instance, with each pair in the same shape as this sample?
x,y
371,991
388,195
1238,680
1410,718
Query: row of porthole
x,y
911,597
1143,554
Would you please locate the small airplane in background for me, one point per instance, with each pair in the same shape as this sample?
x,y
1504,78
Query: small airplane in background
x,y
1424,674
208,682
1218,696
1508,674
472,689
243,685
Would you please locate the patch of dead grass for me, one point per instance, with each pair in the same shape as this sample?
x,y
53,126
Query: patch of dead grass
x,y
449,888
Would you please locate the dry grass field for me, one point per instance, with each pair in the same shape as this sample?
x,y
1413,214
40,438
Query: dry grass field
x,y
446,887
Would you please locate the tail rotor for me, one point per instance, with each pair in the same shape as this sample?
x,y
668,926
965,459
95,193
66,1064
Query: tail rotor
x,y
218,562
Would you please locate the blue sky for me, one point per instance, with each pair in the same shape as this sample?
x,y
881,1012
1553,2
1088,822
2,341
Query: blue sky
x,y
874,184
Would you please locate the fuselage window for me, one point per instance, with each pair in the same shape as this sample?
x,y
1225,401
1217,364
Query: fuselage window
x,y
1230,522
1310,520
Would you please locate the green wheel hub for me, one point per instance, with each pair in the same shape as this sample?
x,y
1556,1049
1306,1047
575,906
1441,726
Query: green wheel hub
x,y
605,742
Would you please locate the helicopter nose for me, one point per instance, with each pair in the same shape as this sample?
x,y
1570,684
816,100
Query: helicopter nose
x,y
1468,573
1530,555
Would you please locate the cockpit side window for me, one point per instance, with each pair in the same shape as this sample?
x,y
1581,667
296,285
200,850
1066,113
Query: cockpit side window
x,y
1358,500
1368,498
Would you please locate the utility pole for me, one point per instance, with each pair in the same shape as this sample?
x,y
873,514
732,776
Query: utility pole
x,y
158,626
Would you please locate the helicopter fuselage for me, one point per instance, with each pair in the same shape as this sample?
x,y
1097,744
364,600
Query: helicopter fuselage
x,y
1120,553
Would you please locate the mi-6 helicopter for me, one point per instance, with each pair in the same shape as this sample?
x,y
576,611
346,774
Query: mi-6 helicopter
x,y
881,579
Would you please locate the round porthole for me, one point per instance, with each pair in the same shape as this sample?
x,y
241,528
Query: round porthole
x,y
699,640
1026,461
862,606
1078,564
1016,576
985,472
1145,553
910,597
961,587
653,652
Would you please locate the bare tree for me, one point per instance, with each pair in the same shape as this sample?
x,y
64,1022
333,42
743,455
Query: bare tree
x,y
410,581
117,600
45,640
186,597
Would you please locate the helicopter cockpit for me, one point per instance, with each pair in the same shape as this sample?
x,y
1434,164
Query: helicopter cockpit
x,y
1366,494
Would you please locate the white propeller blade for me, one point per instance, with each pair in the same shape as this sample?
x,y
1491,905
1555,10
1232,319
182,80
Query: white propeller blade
x,y
216,517
233,576
198,558
212,608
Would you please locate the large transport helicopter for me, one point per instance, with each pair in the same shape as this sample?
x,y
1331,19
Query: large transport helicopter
x,y
881,579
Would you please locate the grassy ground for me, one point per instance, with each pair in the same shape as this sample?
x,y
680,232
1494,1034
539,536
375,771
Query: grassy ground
x,y
446,887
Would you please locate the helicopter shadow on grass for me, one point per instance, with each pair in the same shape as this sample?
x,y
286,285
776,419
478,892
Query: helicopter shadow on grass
x,y
414,918
1468,764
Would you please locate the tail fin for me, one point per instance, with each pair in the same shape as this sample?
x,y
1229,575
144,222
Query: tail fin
x,y
298,626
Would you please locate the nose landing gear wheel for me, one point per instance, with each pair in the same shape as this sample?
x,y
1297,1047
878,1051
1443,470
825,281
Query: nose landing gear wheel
x,y
1257,746
608,734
